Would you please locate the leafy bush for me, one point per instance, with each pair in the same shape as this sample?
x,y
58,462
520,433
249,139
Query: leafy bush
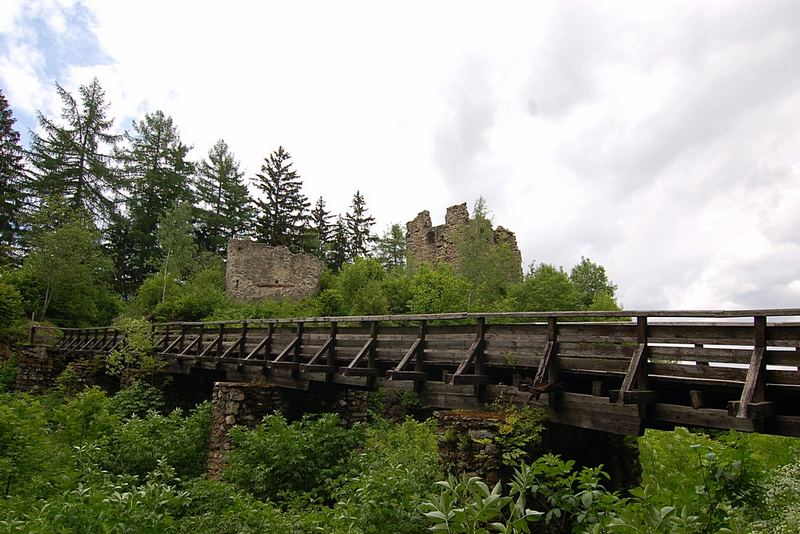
x,y
391,478
135,352
138,399
8,374
85,417
10,312
139,445
276,458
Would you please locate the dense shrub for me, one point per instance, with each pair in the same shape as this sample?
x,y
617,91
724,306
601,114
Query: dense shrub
x,y
138,399
276,458
10,311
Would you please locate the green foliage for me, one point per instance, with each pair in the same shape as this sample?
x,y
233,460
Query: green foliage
x,y
469,506
138,399
390,248
25,461
8,373
276,459
593,286
438,289
520,433
546,288
13,185
141,444
489,265
359,228
390,479
85,418
135,350
66,272
10,311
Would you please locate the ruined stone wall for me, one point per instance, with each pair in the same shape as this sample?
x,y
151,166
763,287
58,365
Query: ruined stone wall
x,y
38,369
426,243
256,271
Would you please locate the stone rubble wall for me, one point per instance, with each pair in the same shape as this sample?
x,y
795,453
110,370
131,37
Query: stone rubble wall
x,y
38,369
467,444
426,243
255,271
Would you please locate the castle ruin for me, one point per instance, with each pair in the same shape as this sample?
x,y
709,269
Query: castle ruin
x,y
255,271
426,243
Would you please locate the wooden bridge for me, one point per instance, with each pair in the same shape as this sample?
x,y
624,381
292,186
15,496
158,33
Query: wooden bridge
x,y
618,372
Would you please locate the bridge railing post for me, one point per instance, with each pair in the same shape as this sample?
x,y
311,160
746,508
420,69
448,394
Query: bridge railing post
x,y
32,338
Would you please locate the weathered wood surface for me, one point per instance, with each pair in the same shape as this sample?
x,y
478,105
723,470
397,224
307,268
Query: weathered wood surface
x,y
722,369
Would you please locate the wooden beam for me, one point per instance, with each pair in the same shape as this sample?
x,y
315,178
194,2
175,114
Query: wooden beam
x,y
173,344
415,352
547,373
634,388
473,354
367,349
755,385
191,345
211,346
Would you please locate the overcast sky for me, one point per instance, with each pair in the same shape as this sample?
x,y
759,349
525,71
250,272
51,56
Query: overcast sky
x,y
662,140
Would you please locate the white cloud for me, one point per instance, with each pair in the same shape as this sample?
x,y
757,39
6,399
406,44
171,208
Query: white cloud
x,y
659,140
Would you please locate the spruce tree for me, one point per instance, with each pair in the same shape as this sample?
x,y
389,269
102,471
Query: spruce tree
x,y
390,249
339,251
283,212
73,161
226,210
319,230
12,186
154,160
359,225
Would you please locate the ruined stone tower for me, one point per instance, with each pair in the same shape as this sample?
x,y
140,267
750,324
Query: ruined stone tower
x,y
256,271
426,243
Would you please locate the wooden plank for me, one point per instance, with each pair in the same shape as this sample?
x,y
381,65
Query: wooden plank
x,y
368,349
473,354
173,344
211,346
636,374
195,342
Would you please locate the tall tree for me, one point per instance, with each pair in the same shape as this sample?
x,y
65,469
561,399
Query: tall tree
x,y
320,228
545,288
390,249
339,247
226,209
154,160
12,185
73,160
592,283
283,212
67,271
359,227
489,264
176,242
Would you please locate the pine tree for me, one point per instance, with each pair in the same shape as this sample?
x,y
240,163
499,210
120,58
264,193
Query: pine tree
x,y
226,209
359,225
339,247
390,249
73,161
154,161
319,230
283,213
12,186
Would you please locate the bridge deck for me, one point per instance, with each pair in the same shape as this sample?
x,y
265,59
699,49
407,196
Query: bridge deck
x,y
629,371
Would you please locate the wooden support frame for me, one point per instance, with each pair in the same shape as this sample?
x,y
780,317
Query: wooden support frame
x,y
328,349
293,347
753,404
194,343
634,388
474,358
546,379
368,350
238,344
265,343
416,351
172,345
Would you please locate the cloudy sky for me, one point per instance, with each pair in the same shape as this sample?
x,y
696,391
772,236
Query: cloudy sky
x,y
661,140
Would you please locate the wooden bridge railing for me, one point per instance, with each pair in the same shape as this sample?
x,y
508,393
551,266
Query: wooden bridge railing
x,y
719,369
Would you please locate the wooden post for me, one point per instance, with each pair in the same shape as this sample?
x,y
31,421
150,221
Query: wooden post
x,y
243,341
752,403
268,344
298,345
184,329
220,339
32,339
419,360
200,337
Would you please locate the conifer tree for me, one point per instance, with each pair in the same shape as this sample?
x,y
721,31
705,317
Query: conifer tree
x,y
359,225
390,249
283,212
73,161
154,160
339,246
12,186
319,230
226,209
